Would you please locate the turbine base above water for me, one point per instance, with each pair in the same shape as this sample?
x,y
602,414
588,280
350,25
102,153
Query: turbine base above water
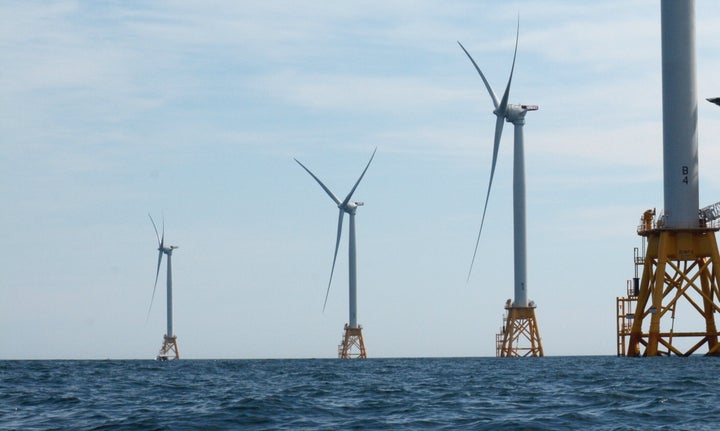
x,y
169,349
353,344
519,335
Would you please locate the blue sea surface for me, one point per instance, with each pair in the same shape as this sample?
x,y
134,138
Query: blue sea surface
x,y
552,393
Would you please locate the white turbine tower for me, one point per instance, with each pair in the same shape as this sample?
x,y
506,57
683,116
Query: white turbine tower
x,y
352,344
521,320
169,349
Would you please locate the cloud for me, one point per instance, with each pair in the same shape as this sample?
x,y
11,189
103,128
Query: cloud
x,y
394,95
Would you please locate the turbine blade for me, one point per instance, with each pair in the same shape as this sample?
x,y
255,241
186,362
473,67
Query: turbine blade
x,y
157,274
154,227
332,196
504,102
347,198
496,146
337,245
162,238
487,85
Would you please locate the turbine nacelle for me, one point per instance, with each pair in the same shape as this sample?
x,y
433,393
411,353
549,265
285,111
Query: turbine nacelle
x,y
516,113
168,250
350,207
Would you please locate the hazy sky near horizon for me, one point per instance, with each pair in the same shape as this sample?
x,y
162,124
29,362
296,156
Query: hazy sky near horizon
x,y
195,110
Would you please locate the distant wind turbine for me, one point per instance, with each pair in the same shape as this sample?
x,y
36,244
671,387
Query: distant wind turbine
x,y
169,349
353,334
519,311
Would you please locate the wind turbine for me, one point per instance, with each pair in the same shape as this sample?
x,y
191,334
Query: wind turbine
x,y
521,314
352,337
169,349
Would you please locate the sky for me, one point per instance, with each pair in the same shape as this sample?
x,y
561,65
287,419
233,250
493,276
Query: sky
x,y
193,112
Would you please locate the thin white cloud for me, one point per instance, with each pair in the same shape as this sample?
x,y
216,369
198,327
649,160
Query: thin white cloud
x,y
400,96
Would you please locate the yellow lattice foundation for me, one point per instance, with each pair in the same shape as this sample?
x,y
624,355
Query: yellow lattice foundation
x,y
169,349
352,345
680,268
520,336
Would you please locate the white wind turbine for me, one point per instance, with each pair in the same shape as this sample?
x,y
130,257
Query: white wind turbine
x,y
514,114
169,349
350,207
520,321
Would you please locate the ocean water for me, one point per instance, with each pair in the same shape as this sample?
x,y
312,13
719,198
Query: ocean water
x,y
554,393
